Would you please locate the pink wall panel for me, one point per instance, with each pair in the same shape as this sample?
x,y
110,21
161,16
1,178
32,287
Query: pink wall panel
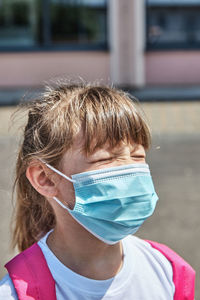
x,y
172,67
32,69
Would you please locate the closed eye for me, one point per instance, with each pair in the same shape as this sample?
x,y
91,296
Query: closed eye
x,y
102,160
140,158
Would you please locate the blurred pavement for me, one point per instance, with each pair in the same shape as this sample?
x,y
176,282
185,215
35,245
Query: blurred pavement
x,y
175,164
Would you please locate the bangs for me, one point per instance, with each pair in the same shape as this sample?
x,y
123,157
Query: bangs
x,y
102,114
110,116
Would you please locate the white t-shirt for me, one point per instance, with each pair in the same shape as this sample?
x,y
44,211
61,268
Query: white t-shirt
x,y
145,274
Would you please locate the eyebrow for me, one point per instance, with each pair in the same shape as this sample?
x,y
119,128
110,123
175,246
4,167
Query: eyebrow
x,y
106,155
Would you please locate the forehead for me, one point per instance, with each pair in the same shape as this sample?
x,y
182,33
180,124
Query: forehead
x,y
76,159
118,150
78,147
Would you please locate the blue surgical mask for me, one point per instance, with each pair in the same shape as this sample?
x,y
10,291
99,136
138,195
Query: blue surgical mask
x,y
112,203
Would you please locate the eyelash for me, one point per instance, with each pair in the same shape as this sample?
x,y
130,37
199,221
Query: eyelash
x,y
105,159
111,158
102,160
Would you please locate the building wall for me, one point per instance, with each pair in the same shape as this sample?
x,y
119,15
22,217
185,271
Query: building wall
x,y
123,65
172,67
32,69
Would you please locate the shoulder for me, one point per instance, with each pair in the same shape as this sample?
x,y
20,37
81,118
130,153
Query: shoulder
x,y
7,290
150,265
149,253
176,261
162,260
143,246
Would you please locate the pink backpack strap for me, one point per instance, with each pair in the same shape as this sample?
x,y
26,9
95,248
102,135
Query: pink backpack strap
x,y
183,273
31,276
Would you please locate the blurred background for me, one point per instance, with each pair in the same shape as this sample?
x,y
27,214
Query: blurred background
x,y
150,48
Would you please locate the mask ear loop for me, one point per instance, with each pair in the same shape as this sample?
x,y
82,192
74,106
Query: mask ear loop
x,y
57,171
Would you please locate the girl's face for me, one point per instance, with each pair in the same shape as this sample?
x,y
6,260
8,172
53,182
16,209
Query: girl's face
x,y
76,161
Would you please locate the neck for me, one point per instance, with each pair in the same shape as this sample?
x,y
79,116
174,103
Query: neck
x,y
84,254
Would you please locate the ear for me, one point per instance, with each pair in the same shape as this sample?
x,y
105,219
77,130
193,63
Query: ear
x,y
42,179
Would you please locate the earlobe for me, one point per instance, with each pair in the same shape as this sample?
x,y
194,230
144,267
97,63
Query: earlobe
x,y
40,179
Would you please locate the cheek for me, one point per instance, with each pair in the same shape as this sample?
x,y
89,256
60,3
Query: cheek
x,y
66,193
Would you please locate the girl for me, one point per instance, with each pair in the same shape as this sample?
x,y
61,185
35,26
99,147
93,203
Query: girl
x,y
83,188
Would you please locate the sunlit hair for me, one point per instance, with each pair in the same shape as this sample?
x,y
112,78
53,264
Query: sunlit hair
x,y
104,114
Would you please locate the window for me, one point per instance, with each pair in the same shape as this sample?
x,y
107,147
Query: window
x,y
53,24
174,26
78,22
18,23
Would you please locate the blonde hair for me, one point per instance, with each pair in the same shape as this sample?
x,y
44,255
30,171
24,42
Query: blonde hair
x,y
104,114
